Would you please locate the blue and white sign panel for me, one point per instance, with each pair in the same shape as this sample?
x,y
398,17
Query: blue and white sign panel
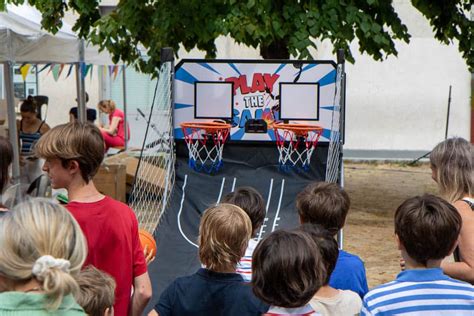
x,y
306,96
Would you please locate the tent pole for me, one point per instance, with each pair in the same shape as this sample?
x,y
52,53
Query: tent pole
x,y
124,88
80,84
12,131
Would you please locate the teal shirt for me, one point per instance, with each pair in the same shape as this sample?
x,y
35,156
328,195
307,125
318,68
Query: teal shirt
x,y
19,303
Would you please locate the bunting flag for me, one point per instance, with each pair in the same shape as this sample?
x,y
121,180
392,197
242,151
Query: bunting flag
x,y
70,70
44,67
92,70
61,68
111,70
87,68
116,70
24,69
83,70
55,70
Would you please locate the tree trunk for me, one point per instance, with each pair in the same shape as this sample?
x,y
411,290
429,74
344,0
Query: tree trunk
x,y
276,50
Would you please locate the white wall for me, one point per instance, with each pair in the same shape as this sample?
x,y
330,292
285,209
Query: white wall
x,y
397,104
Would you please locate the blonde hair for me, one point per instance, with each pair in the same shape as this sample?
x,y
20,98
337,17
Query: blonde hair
x,y
224,233
35,229
80,141
452,162
96,291
108,104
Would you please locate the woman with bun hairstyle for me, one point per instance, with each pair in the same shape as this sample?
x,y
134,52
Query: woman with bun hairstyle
x,y
42,249
114,134
453,170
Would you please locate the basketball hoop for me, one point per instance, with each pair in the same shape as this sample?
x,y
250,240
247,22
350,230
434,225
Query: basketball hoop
x,y
296,143
205,142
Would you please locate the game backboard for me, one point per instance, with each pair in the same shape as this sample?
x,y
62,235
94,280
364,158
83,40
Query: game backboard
x,y
272,90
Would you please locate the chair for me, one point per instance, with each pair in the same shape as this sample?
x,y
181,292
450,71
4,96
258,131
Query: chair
x,y
40,101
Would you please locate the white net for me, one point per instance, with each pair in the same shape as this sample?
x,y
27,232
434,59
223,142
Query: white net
x,y
335,142
154,177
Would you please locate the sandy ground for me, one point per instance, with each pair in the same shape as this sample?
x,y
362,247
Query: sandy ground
x,y
376,190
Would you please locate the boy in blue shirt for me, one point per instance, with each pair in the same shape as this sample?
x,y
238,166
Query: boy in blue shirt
x,y
426,228
327,204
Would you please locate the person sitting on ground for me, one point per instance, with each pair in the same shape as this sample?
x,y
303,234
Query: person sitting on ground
x,y
114,134
96,292
6,159
224,232
426,229
251,201
73,154
30,129
327,204
452,168
42,248
287,272
91,114
330,301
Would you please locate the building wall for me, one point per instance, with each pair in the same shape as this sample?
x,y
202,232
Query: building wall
x,y
399,104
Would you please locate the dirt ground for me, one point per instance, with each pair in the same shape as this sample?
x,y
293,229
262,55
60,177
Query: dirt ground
x,y
376,190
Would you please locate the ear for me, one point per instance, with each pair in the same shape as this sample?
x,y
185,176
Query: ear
x,y
301,220
399,243
454,247
109,311
73,167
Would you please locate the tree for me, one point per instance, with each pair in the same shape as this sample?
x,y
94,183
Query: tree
x,y
279,28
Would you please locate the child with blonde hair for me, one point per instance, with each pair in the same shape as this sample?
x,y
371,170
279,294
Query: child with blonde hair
x,y
224,232
96,292
42,249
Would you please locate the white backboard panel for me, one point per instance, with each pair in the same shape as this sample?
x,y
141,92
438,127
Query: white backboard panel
x,y
299,101
213,100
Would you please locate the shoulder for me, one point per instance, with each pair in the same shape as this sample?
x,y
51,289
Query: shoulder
x,y
118,113
44,128
349,260
350,296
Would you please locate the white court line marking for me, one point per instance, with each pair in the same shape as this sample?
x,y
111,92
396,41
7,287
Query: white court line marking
x,y
220,193
233,185
179,213
266,210
279,205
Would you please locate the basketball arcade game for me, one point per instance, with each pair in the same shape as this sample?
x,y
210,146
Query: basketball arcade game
x,y
272,125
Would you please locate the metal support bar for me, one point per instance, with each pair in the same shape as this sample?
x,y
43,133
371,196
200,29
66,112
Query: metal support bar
x,y
125,121
80,86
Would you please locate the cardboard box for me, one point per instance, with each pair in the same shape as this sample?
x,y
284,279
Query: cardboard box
x,y
110,180
153,175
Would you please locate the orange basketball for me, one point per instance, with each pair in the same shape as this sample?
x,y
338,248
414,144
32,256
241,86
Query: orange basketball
x,y
146,239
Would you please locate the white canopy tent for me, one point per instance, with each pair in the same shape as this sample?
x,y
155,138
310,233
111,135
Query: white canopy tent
x,y
22,40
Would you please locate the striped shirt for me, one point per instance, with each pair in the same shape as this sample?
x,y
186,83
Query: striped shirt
x,y
244,267
306,310
421,292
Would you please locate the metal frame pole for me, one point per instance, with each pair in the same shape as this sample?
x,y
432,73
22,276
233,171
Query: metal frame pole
x,y
125,121
80,84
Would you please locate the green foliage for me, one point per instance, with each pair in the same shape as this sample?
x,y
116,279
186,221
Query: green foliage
x,y
279,28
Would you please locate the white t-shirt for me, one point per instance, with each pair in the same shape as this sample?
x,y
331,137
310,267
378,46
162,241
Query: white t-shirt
x,y
244,267
344,303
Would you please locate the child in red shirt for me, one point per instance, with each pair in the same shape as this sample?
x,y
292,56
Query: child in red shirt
x,y
73,154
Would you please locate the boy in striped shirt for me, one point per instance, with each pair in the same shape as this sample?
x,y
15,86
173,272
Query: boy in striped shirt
x,y
251,201
426,229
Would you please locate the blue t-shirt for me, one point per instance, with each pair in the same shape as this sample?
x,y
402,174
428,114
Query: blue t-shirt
x,y
209,293
421,292
349,274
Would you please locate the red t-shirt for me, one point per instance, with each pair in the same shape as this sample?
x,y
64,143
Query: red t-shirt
x,y
111,230
120,128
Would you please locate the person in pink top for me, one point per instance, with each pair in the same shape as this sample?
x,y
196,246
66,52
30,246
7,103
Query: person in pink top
x,y
114,134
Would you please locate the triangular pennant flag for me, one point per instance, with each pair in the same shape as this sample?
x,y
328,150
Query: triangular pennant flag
x,y
51,66
91,70
61,68
83,70
116,69
24,69
70,70
88,67
111,70
56,72
44,67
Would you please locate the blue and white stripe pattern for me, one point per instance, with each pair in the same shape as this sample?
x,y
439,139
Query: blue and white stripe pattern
x,y
421,292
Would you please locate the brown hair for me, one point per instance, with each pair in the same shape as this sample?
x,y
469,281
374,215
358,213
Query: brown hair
x,y
108,104
96,291
6,158
80,141
287,269
224,233
452,162
325,204
327,246
251,201
427,227
28,105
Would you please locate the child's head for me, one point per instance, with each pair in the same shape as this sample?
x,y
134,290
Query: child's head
x,y
251,201
41,241
224,233
79,147
453,165
427,228
325,204
106,106
327,246
96,292
6,158
287,269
